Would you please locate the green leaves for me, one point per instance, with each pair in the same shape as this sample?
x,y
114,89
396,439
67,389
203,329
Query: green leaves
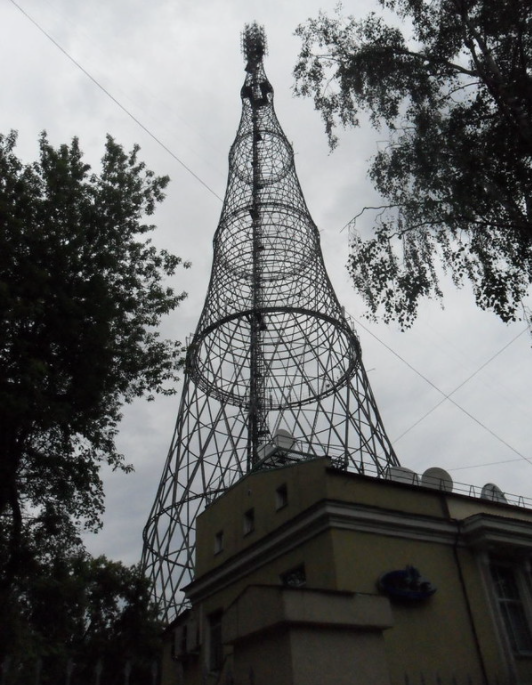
x,y
82,291
76,607
455,95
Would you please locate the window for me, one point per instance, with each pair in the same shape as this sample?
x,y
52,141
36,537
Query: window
x,y
215,642
179,647
281,497
249,521
219,542
295,577
511,605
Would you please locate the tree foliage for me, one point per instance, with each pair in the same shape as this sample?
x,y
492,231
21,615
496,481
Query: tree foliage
x,y
82,611
82,290
451,83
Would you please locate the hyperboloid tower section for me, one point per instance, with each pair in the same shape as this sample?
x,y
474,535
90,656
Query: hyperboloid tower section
x,y
274,371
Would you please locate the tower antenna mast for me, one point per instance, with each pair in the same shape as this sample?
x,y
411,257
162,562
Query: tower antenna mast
x,y
274,373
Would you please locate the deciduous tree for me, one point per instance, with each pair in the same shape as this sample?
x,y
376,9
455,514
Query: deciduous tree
x,y
82,291
92,613
450,81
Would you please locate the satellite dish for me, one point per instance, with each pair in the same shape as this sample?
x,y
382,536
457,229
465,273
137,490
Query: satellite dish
x,y
493,493
283,439
277,451
438,479
400,474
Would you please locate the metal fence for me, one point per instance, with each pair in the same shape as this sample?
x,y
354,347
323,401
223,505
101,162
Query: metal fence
x,y
437,679
76,672
225,677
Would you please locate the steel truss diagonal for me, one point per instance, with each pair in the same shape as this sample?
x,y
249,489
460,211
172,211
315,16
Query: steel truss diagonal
x,y
274,371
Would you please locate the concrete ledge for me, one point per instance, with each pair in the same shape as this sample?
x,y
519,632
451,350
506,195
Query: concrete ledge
x,y
266,607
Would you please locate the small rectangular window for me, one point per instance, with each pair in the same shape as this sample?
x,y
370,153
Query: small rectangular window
x,y
179,646
215,642
219,542
183,641
512,607
281,497
249,521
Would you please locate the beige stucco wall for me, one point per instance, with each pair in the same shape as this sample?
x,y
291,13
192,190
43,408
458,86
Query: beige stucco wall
x,y
265,661
320,573
342,658
307,637
461,507
425,633
168,667
305,485
348,487
346,547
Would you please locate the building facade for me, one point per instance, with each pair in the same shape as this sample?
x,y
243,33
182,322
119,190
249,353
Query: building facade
x,y
307,574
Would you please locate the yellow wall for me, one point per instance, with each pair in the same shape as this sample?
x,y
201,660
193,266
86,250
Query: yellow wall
x,y
317,554
443,636
305,484
425,633
348,487
460,507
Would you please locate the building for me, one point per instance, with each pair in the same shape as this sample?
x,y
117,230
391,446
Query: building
x,y
309,575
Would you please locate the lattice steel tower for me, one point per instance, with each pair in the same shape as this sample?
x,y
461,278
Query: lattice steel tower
x,y
274,371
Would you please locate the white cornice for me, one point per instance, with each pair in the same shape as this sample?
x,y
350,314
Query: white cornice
x,y
488,532
481,531
324,516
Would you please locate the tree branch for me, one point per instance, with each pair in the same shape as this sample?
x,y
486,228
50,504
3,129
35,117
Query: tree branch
x,y
494,79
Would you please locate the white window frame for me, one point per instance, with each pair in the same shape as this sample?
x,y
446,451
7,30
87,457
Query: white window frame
x,y
514,609
249,521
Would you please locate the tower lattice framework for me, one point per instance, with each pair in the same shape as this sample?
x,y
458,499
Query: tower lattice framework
x,y
274,371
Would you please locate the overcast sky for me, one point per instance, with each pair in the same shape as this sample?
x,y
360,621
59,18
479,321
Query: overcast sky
x,y
176,67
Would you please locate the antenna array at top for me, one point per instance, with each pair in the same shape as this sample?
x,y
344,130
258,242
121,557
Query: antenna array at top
x,y
254,45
